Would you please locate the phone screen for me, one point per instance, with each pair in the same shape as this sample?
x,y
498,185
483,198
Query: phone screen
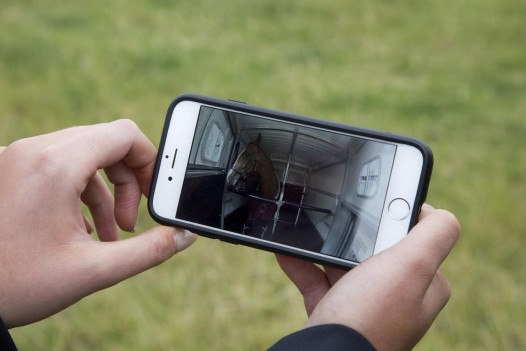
x,y
311,188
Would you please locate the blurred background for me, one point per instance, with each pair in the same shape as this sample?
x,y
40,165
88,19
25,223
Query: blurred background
x,y
450,72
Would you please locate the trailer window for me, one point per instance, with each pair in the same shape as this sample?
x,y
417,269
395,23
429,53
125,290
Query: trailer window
x,y
214,143
369,178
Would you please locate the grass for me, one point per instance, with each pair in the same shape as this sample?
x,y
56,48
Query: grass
x,y
452,73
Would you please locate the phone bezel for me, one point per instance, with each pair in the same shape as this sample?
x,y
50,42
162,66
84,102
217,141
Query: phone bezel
x,y
182,133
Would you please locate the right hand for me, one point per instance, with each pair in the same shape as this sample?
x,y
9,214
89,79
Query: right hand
x,y
391,298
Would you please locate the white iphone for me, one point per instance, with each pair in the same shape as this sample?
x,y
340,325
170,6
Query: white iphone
x,y
329,193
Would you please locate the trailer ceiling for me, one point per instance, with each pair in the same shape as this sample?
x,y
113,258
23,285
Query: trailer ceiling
x,y
305,146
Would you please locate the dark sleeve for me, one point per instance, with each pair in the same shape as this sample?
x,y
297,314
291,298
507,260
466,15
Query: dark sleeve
x,y
6,343
334,337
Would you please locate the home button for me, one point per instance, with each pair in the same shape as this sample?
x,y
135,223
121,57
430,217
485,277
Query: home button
x,y
399,209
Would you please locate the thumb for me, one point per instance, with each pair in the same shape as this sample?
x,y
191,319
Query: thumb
x,y
118,260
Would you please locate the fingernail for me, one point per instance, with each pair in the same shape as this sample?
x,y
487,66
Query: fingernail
x,y
428,206
183,239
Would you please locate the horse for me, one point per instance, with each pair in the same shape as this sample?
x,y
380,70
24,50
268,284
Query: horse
x,y
254,162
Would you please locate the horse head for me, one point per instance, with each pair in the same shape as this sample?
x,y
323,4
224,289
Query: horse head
x,y
246,165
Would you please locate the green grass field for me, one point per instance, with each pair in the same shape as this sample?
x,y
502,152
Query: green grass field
x,y
452,73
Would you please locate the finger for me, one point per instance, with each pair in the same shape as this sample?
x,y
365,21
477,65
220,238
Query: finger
x,y
432,239
99,201
127,195
102,145
421,253
437,296
134,148
303,274
334,274
310,280
111,263
426,210
144,176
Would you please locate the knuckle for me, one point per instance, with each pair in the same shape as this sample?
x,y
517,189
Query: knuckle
x,y
128,124
18,148
47,163
33,160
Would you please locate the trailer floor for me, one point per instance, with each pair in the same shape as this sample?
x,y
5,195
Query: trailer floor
x,y
303,235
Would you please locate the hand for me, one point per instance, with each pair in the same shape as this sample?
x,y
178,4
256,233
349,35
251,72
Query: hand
x,y
48,260
392,298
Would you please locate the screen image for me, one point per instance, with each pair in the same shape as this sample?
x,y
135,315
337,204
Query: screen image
x,y
310,188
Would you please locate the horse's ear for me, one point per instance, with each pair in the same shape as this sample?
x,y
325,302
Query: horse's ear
x,y
259,139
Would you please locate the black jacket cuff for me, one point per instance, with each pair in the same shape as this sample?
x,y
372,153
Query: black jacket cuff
x,y
6,342
334,337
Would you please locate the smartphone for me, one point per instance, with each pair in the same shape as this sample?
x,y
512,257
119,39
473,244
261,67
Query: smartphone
x,y
329,193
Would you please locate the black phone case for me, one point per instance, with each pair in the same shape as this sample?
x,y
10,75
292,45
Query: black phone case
x,y
268,245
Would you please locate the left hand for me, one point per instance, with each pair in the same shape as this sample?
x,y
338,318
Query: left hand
x,y
47,259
